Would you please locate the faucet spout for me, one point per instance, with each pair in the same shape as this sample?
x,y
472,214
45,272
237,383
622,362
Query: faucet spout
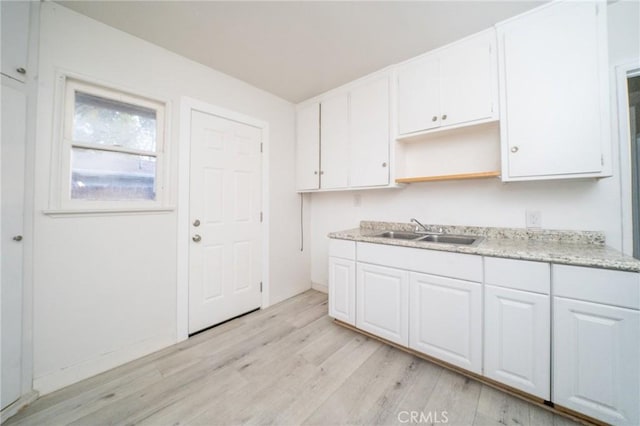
x,y
424,230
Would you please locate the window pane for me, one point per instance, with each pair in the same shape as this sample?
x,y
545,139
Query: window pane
x,y
108,122
111,176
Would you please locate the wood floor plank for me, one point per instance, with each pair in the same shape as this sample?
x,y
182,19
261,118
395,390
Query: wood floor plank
x,y
289,364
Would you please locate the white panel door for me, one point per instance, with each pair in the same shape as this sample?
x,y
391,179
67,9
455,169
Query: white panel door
x,y
382,302
596,360
552,121
342,290
225,199
308,147
14,104
419,96
517,339
370,136
446,320
334,152
468,77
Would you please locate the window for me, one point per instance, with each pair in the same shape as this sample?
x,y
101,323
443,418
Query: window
x,y
112,148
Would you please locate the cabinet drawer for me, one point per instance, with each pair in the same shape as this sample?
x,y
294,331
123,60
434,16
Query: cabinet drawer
x,y
454,265
342,248
618,288
518,274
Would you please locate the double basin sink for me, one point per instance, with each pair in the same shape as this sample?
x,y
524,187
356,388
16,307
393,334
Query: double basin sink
x,y
466,240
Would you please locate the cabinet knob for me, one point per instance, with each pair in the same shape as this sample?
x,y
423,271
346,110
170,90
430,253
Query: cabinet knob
x,y
514,149
197,238
21,70
315,172
321,172
384,164
444,116
196,222
434,118
17,238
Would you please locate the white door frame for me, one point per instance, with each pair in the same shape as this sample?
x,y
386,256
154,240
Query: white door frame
x,y
184,160
624,71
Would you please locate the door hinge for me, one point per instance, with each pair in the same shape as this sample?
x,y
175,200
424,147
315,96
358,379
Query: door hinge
x,y
260,147
260,216
260,286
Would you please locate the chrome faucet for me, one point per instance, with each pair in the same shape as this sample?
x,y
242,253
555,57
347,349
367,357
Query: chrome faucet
x,y
425,230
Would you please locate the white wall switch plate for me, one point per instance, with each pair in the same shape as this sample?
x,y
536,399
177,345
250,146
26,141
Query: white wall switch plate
x,y
533,219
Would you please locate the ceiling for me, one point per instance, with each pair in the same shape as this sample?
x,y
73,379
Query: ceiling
x,y
299,49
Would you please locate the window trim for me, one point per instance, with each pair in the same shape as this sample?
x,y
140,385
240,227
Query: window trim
x,y
60,199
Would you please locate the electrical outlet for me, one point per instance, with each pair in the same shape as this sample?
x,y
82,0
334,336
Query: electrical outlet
x,y
533,219
357,200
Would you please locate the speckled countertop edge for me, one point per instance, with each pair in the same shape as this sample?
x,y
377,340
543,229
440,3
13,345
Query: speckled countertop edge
x,y
578,248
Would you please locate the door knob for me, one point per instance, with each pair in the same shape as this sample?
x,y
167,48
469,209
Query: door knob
x,y
197,238
17,238
196,222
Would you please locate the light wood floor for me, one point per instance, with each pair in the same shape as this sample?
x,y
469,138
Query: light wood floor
x,y
286,365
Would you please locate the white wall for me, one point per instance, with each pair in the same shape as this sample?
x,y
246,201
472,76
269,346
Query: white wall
x,y
576,205
105,287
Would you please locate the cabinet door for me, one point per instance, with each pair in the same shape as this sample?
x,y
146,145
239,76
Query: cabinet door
x,y
517,341
334,143
382,302
342,290
468,80
15,38
419,96
446,320
595,360
308,147
370,137
554,107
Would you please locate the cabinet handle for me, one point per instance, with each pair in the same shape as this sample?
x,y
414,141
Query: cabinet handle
x,y
514,149
384,164
434,118
444,116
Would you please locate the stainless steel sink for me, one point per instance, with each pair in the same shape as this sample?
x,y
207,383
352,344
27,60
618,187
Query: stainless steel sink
x,y
451,239
398,235
466,240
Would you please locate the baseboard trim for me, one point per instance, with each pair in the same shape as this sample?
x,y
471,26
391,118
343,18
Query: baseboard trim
x,y
13,408
320,287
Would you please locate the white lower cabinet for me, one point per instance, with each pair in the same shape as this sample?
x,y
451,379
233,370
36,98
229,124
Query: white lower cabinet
x,y
446,320
517,324
342,280
382,306
342,289
517,339
596,355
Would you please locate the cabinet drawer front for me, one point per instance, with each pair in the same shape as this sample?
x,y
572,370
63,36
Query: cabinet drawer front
x,y
342,248
455,265
518,274
618,288
381,254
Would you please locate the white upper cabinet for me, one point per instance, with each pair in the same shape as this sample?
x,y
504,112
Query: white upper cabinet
x,y
450,87
308,147
15,38
554,114
334,134
370,136
343,139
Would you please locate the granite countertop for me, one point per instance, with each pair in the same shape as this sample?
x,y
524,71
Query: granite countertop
x,y
578,248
